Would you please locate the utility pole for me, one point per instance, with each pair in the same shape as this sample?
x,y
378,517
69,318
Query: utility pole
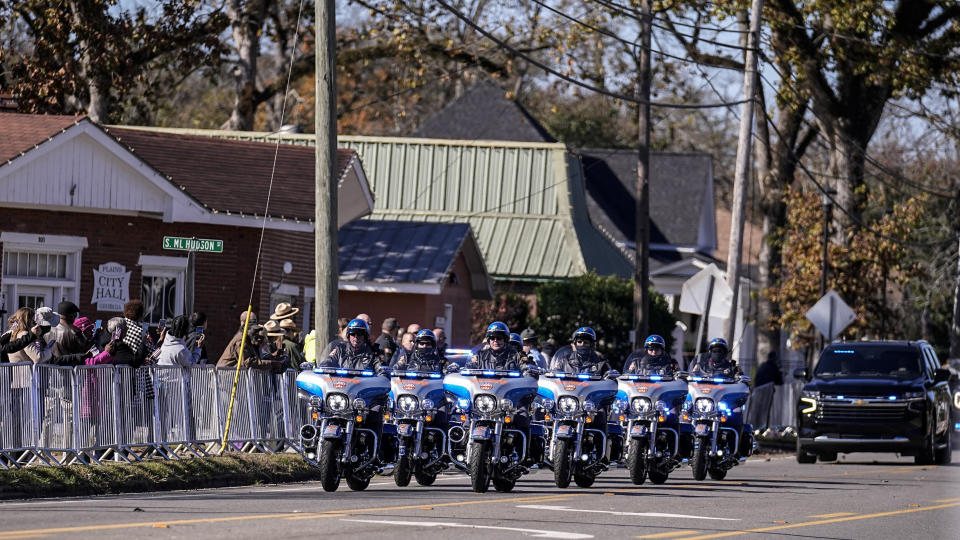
x,y
641,274
742,172
325,191
955,325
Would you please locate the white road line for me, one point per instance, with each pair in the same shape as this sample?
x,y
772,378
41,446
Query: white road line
x,y
615,513
539,533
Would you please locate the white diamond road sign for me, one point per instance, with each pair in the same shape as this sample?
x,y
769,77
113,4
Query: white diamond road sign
x,y
193,244
831,315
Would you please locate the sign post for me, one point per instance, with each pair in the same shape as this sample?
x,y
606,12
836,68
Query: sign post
x,y
192,246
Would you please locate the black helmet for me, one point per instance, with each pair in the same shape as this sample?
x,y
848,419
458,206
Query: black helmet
x,y
426,336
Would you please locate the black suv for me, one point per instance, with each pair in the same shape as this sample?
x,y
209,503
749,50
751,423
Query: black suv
x,y
884,396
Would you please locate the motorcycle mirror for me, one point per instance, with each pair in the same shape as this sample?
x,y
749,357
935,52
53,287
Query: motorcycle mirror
x,y
613,374
683,375
306,366
745,379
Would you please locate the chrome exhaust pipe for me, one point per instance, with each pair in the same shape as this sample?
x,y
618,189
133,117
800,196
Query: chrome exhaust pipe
x,y
457,434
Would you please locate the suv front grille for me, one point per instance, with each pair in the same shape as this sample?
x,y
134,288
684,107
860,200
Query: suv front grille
x,y
862,410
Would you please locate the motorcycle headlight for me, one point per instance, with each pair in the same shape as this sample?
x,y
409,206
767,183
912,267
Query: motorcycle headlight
x,y
724,408
407,403
589,406
427,403
662,406
641,405
338,402
704,405
620,406
359,403
506,404
485,403
316,402
568,404
547,404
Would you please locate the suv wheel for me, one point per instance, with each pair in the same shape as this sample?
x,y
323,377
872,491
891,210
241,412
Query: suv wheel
x,y
805,457
828,456
927,453
943,455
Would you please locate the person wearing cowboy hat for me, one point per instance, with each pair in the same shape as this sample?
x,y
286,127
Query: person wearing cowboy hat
x,y
283,311
273,347
291,344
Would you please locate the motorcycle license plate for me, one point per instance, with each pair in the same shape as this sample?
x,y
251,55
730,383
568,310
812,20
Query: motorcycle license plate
x,y
404,430
481,432
639,430
563,431
331,431
701,429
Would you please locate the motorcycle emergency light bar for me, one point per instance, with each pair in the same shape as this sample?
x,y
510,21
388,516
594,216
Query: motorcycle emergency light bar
x,y
489,373
583,375
411,374
696,379
514,373
436,375
956,427
366,373
341,372
656,378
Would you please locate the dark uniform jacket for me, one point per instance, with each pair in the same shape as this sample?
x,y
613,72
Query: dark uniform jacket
x,y
581,362
506,358
707,366
421,361
639,362
344,356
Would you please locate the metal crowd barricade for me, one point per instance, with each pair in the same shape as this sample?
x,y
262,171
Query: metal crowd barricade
x,y
205,407
88,414
55,407
16,414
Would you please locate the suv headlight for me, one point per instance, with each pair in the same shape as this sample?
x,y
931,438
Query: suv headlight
x,y
641,405
913,395
485,403
811,394
338,402
407,403
704,405
568,404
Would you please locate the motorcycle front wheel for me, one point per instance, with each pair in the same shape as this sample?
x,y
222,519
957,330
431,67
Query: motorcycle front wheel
x,y
403,471
699,462
503,485
330,465
584,480
657,477
480,467
637,462
561,463
718,474
356,483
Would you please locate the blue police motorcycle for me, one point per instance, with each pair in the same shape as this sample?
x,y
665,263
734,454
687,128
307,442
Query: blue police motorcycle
x,y
717,408
485,440
341,404
418,400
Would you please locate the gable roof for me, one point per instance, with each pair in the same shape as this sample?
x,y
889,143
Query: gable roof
x,y
24,132
484,112
233,176
680,184
374,253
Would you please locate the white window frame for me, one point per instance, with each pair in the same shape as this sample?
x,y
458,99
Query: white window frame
x,y
72,246
167,267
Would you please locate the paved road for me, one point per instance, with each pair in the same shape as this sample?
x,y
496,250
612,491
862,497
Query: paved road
x,y
862,496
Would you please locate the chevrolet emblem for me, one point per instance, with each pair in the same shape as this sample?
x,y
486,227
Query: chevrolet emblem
x,y
858,402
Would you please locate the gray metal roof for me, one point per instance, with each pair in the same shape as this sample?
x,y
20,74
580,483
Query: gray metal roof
x,y
409,252
484,112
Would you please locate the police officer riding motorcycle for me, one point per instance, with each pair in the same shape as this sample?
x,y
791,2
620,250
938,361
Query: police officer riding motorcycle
x,y
420,412
653,397
718,396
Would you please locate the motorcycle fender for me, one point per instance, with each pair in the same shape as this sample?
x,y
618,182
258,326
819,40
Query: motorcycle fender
x,y
405,430
482,433
638,431
333,431
565,431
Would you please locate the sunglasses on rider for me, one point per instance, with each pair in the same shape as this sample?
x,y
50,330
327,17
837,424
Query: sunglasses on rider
x,y
497,338
581,341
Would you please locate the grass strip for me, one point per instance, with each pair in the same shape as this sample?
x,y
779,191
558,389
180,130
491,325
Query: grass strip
x,y
190,473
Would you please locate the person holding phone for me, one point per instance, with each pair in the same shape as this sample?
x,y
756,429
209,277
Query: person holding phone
x,y
198,321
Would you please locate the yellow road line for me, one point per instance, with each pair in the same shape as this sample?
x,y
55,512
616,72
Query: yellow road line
x,y
671,534
11,535
838,514
897,470
955,499
821,522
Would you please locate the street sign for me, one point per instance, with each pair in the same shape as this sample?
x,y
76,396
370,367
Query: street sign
x,y
696,297
831,315
193,244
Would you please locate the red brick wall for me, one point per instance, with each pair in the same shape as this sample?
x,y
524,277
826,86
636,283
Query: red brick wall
x,y
222,282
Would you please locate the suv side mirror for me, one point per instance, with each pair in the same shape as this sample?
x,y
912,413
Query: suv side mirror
x,y
800,373
941,375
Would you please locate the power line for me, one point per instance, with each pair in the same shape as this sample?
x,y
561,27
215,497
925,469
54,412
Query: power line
x,y
633,13
572,80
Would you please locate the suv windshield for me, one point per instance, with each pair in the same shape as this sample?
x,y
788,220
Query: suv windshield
x,y
874,361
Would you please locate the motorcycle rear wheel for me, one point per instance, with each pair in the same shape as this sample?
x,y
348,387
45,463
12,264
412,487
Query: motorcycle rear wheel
x,y
356,483
637,462
699,462
425,479
717,474
403,471
561,463
584,480
330,465
480,467
503,485
657,477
